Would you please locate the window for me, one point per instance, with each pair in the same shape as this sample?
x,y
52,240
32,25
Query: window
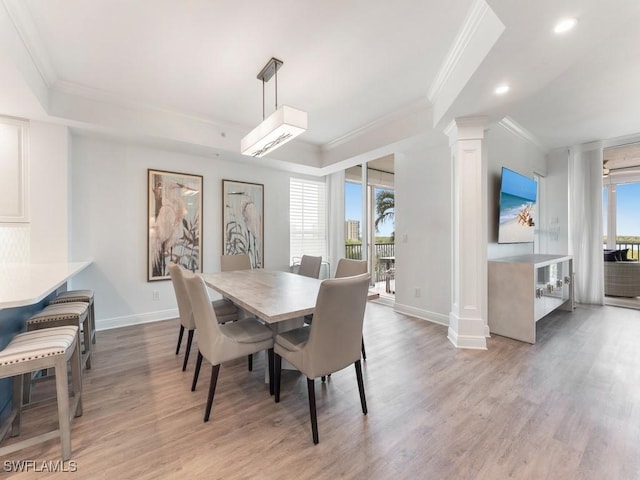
x,y
308,218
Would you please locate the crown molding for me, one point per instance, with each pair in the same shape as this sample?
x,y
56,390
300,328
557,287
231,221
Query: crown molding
x,y
23,22
473,20
519,131
414,107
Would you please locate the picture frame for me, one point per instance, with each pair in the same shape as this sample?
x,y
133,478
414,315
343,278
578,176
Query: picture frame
x,y
242,220
175,222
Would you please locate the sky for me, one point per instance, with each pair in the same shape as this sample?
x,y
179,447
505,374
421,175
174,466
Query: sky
x,y
353,208
628,209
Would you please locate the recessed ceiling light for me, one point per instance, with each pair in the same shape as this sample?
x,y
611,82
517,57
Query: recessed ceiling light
x,y
565,25
502,89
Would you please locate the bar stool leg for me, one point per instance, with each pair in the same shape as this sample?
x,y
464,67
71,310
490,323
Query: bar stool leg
x,y
76,382
86,330
17,405
62,392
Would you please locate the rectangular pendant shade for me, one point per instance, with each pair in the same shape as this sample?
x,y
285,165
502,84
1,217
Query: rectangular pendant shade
x,y
277,129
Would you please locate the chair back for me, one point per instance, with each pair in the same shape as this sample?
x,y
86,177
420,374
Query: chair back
x,y
350,268
209,335
182,297
310,266
335,338
234,262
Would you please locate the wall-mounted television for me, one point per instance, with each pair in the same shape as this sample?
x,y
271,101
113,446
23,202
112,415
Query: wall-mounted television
x,y
518,211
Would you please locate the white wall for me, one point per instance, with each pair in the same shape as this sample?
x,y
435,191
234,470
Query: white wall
x,y
557,203
506,149
423,218
109,211
49,166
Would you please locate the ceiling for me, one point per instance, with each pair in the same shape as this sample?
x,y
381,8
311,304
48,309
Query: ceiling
x,y
370,76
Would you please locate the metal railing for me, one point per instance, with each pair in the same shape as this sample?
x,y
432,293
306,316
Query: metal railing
x,y
382,250
354,250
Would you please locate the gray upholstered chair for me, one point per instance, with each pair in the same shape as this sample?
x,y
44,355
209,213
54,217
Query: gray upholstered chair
x,y
219,343
228,311
350,268
234,262
229,263
310,266
331,342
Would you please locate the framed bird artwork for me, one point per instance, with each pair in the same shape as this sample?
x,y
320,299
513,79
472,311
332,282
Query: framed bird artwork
x,y
175,222
242,220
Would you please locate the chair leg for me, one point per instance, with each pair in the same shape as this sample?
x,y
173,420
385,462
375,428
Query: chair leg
x,y
180,338
250,362
215,369
363,400
270,357
364,353
196,372
188,350
277,372
312,409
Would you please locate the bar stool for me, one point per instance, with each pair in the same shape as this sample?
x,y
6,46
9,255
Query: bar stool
x,y
58,315
64,314
79,296
38,350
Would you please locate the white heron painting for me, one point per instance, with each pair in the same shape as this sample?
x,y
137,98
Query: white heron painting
x,y
242,217
175,228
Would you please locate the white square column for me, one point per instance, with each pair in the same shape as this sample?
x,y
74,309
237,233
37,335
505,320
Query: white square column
x,y
468,326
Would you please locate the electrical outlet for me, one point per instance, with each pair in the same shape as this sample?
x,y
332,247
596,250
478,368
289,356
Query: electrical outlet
x,y
155,295
417,292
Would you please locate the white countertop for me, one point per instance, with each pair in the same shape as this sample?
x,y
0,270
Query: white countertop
x,y
24,284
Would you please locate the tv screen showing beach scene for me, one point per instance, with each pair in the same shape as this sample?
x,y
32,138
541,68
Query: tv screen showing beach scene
x,y
517,208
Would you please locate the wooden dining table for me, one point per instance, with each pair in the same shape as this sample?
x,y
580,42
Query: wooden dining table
x,y
280,299
273,296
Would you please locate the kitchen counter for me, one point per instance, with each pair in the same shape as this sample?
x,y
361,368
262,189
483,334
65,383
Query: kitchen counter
x,y
23,284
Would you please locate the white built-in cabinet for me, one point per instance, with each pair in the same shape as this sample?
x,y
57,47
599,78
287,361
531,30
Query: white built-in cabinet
x,y
14,171
525,288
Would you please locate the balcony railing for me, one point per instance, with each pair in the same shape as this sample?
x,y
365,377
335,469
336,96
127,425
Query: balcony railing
x,y
382,250
354,251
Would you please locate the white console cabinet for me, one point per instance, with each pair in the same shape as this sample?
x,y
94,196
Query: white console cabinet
x,y
524,289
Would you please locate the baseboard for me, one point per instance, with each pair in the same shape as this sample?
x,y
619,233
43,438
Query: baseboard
x,y
466,341
117,322
432,317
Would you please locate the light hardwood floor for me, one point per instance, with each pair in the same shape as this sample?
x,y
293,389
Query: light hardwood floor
x,y
565,408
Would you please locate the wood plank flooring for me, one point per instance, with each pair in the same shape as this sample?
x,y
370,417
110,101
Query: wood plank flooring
x,y
565,408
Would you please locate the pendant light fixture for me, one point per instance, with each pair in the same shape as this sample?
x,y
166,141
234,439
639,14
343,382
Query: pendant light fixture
x,y
278,128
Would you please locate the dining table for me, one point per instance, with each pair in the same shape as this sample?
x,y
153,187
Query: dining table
x,y
280,299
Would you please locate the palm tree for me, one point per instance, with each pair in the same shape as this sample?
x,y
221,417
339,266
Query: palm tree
x,y
385,207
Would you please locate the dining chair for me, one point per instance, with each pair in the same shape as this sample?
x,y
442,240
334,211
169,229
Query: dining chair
x,y
227,264
219,343
227,311
331,342
349,268
310,266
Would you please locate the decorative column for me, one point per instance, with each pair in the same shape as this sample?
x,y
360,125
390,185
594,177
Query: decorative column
x,y
468,327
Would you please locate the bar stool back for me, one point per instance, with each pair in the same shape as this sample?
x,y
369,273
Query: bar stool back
x,y
37,350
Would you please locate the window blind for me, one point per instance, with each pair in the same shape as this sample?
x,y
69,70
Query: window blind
x,y
308,218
